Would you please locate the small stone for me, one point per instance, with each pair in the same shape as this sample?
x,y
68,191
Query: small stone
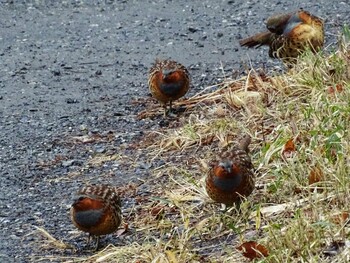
x,y
193,29
56,72
68,163
71,101
100,149
83,127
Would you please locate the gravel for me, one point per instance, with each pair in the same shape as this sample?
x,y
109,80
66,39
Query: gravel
x,y
70,71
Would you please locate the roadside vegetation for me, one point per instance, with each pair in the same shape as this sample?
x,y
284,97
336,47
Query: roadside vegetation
x,y
299,212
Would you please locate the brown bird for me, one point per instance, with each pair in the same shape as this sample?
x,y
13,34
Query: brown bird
x,y
231,179
289,35
168,81
97,211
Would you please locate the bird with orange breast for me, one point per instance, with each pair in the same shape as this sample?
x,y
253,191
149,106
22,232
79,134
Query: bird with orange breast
x,y
97,211
231,178
168,81
289,35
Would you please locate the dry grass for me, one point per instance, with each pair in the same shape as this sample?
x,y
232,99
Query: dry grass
x,y
296,219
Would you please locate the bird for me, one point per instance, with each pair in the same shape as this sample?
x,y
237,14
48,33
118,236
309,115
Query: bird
x,y
231,178
168,81
97,211
289,35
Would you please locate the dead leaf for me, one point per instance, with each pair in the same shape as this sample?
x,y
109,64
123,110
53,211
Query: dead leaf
x,y
123,230
316,175
253,250
332,90
289,149
339,87
340,218
298,190
157,210
207,140
220,111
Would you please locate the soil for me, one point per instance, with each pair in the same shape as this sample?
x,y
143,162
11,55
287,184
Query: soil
x,y
73,79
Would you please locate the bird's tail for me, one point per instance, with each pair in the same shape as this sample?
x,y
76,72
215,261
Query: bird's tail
x,y
244,143
263,38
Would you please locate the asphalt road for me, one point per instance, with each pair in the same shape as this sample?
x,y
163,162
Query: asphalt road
x,y
73,68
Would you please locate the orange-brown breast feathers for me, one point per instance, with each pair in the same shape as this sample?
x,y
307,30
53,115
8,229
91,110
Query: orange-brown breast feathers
x,y
168,80
97,210
174,76
86,203
231,178
226,170
219,171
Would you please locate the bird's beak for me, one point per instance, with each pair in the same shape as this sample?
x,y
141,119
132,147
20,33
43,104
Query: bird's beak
x,y
166,73
226,166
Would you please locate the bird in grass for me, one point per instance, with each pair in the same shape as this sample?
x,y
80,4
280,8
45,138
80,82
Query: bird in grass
x,y
168,81
97,211
231,178
289,35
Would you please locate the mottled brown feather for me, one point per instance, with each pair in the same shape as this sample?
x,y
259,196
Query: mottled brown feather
x,y
231,178
168,81
97,210
289,35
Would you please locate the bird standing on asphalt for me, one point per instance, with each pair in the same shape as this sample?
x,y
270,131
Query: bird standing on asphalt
x,y
97,211
231,178
289,35
168,81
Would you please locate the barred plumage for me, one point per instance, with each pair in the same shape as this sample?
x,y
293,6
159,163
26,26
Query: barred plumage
x,y
289,35
97,210
168,81
231,178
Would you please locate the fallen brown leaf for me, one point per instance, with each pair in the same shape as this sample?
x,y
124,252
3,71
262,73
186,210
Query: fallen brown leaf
x,y
157,210
289,149
340,218
332,90
315,176
123,230
253,250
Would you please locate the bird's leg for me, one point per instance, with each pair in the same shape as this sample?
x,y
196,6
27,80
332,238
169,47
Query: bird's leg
x,y
89,238
224,208
97,241
97,244
170,113
170,106
165,110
